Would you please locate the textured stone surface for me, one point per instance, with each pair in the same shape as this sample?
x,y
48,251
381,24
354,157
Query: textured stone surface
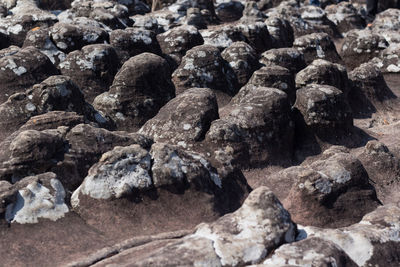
x,y
135,96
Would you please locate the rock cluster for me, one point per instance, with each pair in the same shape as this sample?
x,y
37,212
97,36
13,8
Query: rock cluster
x,y
199,133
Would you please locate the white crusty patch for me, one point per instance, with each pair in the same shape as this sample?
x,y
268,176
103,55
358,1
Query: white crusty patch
x,y
35,201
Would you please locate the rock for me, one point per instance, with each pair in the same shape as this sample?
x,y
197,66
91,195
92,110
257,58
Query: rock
x,y
311,251
324,109
261,224
109,13
52,120
146,22
93,68
369,89
258,125
324,72
135,96
289,58
88,143
243,60
33,198
276,77
40,39
11,50
203,66
185,119
229,11
317,46
177,41
387,25
251,11
222,36
23,69
280,31
371,242
345,16
360,46
24,17
55,93
31,152
318,21
73,36
389,61
320,197
54,4
383,168
131,42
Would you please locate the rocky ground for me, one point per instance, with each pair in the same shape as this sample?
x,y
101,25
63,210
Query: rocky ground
x,y
226,133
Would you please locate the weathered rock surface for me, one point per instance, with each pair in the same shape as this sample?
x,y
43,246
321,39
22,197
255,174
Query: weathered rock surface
x,y
369,89
289,58
92,68
135,95
243,60
321,192
345,16
177,41
243,237
324,109
23,69
130,42
33,198
281,32
317,46
185,119
360,46
324,72
277,77
204,67
257,129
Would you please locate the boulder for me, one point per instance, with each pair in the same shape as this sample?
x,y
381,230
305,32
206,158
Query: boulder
x,y
317,20
177,41
313,251
203,66
40,39
92,68
321,196
360,46
289,58
276,77
345,16
130,42
33,198
185,119
325,110
23,69
369,89
78,33
324,72
229,11
389,59
280,31
317,46
135,96
258,128
243,60
371,242
56,93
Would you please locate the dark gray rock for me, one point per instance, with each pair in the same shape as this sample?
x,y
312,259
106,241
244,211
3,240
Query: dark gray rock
x,y
185,119
23,69
277,77
320,196
131,42
324,109
360,46
324,72
92,68
289,58
177,41
345,16
135,95
280,31
317,46
243,60
203,66
229,11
